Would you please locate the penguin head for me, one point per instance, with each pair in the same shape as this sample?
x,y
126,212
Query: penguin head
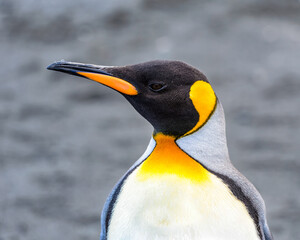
x,y
173,96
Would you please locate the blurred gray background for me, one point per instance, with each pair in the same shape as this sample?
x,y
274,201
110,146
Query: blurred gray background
x,y
66,141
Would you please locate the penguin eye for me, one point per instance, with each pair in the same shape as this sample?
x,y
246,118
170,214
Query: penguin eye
x,y
156,86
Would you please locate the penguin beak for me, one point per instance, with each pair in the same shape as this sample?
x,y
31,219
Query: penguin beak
x,y
96,73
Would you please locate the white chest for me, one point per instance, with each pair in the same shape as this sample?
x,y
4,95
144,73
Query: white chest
x,y
171,208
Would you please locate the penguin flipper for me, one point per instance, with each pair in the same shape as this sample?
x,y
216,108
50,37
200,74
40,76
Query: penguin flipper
x,y
267,233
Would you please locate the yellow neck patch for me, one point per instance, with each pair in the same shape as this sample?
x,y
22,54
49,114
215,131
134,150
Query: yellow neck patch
x,y
168,159
204,100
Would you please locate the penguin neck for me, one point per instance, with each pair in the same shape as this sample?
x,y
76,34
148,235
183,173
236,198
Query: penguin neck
x,y
168,159
209,142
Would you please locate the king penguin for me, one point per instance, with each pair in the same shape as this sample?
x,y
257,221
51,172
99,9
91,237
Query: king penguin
x,y
184,186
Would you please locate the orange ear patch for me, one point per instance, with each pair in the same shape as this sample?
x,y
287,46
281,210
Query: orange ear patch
x,y
204,100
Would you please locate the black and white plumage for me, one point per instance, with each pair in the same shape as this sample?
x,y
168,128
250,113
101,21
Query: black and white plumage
x,y
184,186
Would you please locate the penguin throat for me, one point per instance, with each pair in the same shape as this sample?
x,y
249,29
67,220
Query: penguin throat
x,y
168,159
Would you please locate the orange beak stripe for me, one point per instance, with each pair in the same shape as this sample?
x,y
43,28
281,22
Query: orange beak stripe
x,y
118,84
